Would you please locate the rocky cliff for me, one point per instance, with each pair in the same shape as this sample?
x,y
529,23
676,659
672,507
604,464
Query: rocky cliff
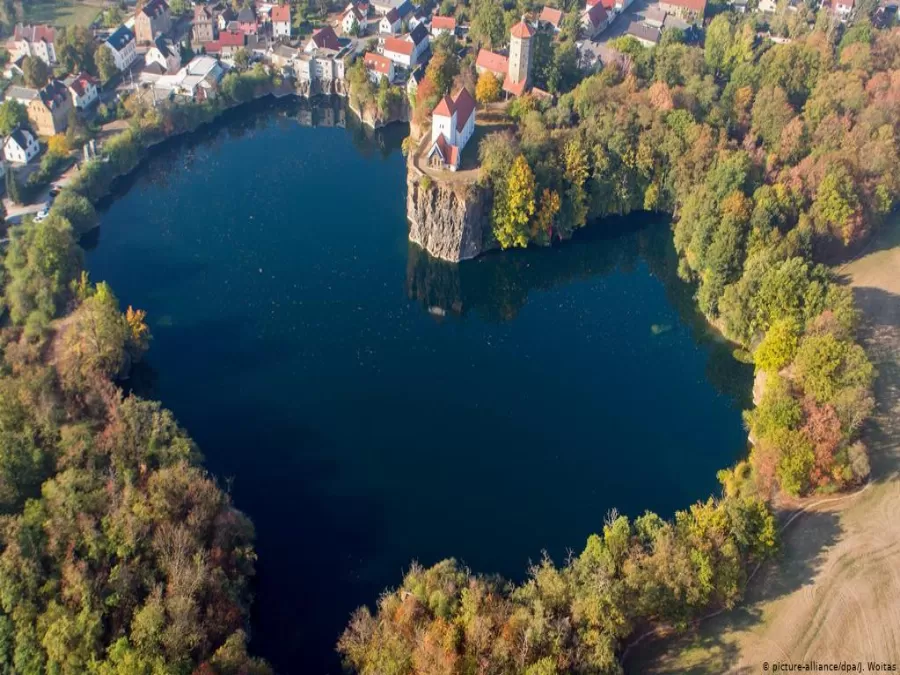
x,y
450,221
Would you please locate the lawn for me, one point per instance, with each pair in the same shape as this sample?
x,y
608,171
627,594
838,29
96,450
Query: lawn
x,y
61,13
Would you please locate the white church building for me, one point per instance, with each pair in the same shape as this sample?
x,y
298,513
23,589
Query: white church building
x,y
452,125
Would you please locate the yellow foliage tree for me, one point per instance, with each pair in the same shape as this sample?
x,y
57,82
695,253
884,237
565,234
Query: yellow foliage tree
x,y
542,229
58,145
516,206
487,90
138,331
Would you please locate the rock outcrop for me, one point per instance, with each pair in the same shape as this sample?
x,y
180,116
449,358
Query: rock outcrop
x,y
450,221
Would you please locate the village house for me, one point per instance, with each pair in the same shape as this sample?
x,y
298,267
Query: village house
x,y
225,17
405,51
152,20
491,62
655,17
323,38
443,24
35,41
452,125
198,80
49,112
20,147
691,11
227,44
281,21
247,21
648,36
283,56
415,77
594,20
552,17
204,29
378,67
23,95
382,7
165,54
84,91
123,47
390,23
353,17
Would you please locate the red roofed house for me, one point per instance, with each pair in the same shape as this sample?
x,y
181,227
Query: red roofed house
x,y
228,43
281,21
399,51
33,41
491,62
551,17
379,67
443,24
83,90
608,5
452,125
594,20
691,11
323,38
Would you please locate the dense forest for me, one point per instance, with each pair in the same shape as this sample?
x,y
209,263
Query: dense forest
x,y
118,553
774,159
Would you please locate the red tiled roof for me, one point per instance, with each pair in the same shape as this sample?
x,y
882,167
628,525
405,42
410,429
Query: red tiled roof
x,y
496,63
281,13
80,84
551,16
607,4
465,106
514,88
444,108
34,33
449,152
398,45
326,38
378,63
698,6
521,30
231,39
443,22
596,15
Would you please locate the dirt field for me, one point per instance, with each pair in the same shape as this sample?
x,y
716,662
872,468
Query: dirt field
x,y
835,594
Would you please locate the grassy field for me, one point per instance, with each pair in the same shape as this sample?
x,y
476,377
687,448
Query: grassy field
x,y
62,13
835,593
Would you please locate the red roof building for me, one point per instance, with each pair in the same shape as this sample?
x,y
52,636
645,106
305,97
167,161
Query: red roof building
x,y
522,31
449,138
326,38
492,62
379,64
399,46
281,13
443,23
551,16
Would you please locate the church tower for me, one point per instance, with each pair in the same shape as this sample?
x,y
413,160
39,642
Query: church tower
x,y
520,52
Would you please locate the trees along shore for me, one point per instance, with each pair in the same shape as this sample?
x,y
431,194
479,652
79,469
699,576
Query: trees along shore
x,y
774,158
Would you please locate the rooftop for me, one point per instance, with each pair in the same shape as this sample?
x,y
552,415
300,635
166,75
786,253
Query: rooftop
x,y
496,63
121,37
552,16
154,8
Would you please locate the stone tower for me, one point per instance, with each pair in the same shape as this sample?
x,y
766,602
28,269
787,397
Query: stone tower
x,y
520,52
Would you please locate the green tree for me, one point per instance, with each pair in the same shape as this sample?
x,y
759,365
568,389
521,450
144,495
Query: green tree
x,y
37,73
12,115
76,209
106,64
778,347
826,365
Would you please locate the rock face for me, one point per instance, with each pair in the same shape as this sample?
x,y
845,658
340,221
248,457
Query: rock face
x,y
451,222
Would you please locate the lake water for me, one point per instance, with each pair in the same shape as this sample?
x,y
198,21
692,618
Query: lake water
x,y
368,405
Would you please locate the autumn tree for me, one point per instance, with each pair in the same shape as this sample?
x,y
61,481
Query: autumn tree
x,y
516,206
488,88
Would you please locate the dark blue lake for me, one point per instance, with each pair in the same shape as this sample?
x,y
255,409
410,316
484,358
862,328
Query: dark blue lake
x,y
368,405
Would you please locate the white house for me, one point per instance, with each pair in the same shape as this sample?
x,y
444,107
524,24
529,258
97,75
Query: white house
x,y
84,91
123,47
198,80
165,54
390,23
281,21
379,67
452,125
443,24
37,41
843,8
20,147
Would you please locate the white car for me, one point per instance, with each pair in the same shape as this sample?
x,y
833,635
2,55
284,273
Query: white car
x,y
42,214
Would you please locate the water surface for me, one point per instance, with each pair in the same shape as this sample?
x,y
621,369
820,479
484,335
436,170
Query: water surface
x,y
368,405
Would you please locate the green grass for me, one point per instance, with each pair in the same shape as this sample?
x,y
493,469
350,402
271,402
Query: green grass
x,y
61,13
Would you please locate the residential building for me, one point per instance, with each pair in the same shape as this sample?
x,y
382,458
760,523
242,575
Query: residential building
x,y
20,147
415,77
382,7
390,23
123,46
420,39
23,95
379,67
452,125
247,21
552,17
491,62
83,90
323,38
283,56
646,35
407,11
205,28
405,51
768,6
443,24
49,112
152,20
655,17
227,44
225,17
165,53
594,20
353,17
281,21
691,11
198,80
35,41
